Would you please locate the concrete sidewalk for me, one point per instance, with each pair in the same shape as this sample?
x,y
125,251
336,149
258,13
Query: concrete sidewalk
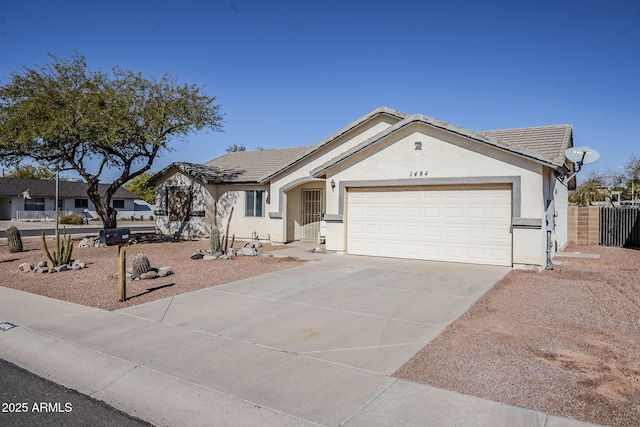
x,y
311,345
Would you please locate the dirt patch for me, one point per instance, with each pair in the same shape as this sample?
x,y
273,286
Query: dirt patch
x,y
95,285
565,342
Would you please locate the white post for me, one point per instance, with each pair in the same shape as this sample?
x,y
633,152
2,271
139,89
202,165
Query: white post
x,y
57,195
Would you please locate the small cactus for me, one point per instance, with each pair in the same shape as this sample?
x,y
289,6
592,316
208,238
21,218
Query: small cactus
x,y
215,240
14,239
62,254
141,265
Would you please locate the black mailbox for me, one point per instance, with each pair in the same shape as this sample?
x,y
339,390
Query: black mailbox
x,y
115,236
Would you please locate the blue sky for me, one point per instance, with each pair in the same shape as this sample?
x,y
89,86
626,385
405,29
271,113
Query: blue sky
x,y
290,73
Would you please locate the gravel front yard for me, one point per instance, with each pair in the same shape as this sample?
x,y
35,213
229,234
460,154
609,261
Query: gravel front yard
x,y
565,342
95,285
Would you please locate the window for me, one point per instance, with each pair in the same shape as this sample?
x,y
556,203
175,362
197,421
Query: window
x,y
179,201
81,203
254,203
118,204
34,204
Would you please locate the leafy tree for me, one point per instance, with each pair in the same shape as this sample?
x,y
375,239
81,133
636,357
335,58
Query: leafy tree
x,y
89,121
632,169
31,171
593,189
235,147
138,186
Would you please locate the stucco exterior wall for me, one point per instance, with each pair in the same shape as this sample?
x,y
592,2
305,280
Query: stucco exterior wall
x,y
443,160
241,225
211,204
195,225
561,197
300,173
294,209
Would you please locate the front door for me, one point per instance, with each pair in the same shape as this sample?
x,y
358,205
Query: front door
x,y
311,212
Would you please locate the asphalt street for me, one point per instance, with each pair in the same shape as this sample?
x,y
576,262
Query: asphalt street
x,y
31,401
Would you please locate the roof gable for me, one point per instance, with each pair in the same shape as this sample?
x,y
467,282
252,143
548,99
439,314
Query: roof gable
x,y
386,111
544,145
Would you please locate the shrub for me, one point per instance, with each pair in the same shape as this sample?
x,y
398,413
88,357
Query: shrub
x,y
71,219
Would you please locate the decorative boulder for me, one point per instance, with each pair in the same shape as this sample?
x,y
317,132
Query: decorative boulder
x,y
149,275
248,250
164,271
25,267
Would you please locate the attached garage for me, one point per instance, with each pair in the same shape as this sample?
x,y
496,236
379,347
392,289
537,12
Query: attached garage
x,y
470,223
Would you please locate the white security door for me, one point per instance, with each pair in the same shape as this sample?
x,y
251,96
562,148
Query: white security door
x,y
311,213
467,224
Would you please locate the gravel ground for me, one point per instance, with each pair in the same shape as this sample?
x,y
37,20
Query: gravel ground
x,y
565,342
95,286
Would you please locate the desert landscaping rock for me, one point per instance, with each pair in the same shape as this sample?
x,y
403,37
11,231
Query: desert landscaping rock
x,y
209,257
149,275
60,268
164,271
25,267
248,251
97,285
90,242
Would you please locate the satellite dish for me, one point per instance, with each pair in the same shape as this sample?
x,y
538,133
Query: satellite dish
x,y
582,155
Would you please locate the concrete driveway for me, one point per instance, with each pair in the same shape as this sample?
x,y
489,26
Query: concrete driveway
x,y
311,345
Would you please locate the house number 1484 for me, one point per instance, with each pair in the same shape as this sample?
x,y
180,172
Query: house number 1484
x,y
418,173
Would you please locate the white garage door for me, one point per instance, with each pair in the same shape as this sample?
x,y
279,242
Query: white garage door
x,y
467,224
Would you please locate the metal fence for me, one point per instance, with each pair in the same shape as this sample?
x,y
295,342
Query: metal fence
x,y
39,215
620,226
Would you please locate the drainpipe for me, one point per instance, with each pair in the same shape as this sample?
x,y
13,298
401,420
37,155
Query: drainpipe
x,y
550,219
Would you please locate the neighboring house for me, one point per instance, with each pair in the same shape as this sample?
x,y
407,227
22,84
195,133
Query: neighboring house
x,y
72,198
388,184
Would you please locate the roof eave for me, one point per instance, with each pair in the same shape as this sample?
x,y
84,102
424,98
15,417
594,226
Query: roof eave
x,y
419,118
378,111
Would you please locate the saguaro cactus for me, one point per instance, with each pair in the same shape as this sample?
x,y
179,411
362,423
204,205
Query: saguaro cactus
x,y
14,239
62,254
215,240
141,264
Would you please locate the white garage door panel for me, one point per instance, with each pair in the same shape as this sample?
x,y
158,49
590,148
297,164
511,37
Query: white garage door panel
x,y
459,224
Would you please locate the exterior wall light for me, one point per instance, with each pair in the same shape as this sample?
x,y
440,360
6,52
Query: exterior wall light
x,y
333,185
418,145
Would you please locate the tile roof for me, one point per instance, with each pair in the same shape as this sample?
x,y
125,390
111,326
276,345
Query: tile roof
x,y
47,188
236,167
253,165
386,111
543,144
549,141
